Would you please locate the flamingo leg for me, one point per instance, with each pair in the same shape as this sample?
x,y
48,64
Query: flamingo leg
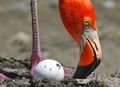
x,y
68,72
3,77
36,50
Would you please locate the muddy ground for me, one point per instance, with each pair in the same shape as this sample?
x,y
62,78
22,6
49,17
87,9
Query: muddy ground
x,y
17,70
56,43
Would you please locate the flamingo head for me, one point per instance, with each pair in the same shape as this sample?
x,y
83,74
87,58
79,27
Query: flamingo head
x,y
90,52
90,48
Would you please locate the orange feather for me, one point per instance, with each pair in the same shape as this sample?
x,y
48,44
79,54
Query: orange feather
x,y
73,13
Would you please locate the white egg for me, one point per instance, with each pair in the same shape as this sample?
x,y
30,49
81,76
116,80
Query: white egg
x,y
49,69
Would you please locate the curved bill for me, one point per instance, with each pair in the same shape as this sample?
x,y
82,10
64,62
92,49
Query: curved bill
x,y
90,53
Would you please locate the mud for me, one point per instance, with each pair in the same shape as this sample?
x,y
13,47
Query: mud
x,y
17,71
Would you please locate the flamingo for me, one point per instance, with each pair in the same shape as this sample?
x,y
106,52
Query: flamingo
x,y
78,17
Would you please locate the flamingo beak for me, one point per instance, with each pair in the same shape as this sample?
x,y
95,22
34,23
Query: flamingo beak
x,y
90,55
92,39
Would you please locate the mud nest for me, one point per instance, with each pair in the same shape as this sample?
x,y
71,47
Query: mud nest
x,y
17,70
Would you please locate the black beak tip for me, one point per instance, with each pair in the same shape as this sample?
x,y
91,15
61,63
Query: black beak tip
x,y
82,72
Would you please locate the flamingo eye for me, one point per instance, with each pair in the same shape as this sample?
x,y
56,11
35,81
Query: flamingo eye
x,y
86,23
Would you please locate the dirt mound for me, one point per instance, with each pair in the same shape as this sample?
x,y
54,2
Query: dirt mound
x,y
17,70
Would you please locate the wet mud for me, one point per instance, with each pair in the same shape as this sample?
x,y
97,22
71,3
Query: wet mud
x,y
17,71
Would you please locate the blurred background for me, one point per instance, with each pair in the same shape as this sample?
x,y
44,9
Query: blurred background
x,y
56,43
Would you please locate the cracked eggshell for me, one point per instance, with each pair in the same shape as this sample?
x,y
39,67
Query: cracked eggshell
x,y
49,69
